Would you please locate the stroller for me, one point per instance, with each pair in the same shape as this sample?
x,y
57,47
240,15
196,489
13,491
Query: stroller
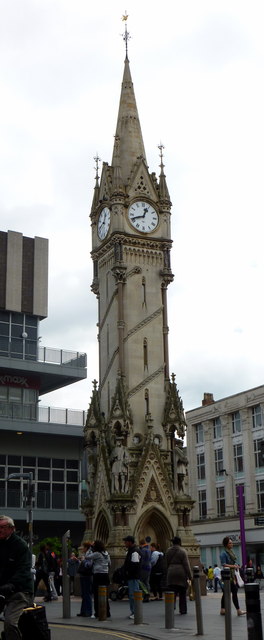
x,y
122,589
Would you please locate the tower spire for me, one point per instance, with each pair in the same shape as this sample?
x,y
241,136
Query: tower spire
x,y
163,189
128,130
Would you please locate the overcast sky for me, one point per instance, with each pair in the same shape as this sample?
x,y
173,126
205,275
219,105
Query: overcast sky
x,y
197,68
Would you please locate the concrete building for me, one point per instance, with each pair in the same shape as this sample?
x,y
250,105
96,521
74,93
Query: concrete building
x,y
45,441
225,440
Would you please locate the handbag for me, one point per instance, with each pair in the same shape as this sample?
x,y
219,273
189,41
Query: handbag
x,y
240,582
33,624
85,567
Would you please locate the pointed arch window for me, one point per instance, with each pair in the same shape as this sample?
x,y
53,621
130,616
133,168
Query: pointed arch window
x,y
147,401
107,340
144,301
145,353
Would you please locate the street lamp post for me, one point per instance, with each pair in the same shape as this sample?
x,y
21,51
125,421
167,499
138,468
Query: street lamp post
x,y
30,489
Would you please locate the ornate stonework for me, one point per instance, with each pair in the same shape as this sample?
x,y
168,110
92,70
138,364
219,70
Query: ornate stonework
x,y
135,465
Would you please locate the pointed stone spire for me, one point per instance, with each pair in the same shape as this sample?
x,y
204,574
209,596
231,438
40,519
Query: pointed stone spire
x,y
163,189
128,130
117,175
96,188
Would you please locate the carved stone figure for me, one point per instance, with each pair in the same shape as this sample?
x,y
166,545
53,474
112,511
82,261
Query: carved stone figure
x,y
119,469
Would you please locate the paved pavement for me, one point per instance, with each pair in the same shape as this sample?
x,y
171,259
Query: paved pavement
x,y
153,625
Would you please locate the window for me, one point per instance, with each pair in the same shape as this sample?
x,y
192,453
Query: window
x,y
201,466
199,433
12,342
238,458
220,501
236,422
145,353
260,494
56,482
219,461
259,453
217,428
202,504
256,416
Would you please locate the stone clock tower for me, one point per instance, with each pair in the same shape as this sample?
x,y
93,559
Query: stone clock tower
x,y
134,459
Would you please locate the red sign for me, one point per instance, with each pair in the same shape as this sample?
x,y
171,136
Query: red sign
x,y
25,382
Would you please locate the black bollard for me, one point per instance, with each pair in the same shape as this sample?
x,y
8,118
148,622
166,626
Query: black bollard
x,y
249,575
254,624
225,573
198,602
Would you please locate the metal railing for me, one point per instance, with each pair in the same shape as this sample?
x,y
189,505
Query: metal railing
x,y
60,356
56,415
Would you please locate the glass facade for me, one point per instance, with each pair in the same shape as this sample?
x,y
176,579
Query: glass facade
x,y
18,335
56,482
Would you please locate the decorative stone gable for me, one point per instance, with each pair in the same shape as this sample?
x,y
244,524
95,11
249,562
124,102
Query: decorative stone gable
x,y
141,184
106,183
174,418
153,493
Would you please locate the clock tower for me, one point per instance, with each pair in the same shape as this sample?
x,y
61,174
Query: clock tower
x,y
135,465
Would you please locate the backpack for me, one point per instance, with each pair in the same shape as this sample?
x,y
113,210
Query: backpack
x,y
159,566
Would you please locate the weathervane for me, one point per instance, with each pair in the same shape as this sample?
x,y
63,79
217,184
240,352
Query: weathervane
x,y
126,35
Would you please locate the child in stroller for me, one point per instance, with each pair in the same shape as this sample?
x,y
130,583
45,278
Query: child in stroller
x,y
122,589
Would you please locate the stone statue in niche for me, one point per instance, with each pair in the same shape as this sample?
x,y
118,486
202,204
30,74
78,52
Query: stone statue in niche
x,y
119,468
181,462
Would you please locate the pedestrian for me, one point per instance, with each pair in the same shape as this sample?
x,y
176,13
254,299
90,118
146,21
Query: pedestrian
x,y
178,572
157,571
228,559
72,570
53,569
210,577
86,582
100,568
16,580
42,572
132,571
145,568
217,577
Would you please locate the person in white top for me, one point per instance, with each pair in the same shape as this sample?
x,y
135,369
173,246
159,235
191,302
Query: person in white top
x,y
217,577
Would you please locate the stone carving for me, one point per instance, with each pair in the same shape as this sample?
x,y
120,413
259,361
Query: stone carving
x,y
119,469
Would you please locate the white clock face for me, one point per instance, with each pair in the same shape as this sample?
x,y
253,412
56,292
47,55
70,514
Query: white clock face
x,y
143,216
103,223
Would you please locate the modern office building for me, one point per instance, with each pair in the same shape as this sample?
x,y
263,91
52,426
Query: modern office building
x,y
225,440
35,439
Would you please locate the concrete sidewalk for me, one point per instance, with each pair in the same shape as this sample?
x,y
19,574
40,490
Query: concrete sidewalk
x,y
154,618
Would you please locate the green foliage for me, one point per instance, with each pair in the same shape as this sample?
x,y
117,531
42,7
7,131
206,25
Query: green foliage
x,y
55,545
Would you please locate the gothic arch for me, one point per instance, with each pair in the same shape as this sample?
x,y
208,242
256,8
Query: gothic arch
x,y
155,524
101,528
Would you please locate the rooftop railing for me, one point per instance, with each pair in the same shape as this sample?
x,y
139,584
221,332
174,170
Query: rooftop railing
x,y
60,356
31,412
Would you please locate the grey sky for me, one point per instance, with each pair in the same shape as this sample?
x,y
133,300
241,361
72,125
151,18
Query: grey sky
x,y
197,69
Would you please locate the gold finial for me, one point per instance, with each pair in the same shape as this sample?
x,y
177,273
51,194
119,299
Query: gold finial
x,y
126,35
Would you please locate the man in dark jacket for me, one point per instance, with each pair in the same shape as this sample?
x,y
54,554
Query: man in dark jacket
x,y
132,570
16,583
178,572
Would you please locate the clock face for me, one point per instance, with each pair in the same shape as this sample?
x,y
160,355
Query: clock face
x,y
103,223
143,216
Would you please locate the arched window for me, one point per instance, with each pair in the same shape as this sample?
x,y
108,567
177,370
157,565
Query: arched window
x,y
145,353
